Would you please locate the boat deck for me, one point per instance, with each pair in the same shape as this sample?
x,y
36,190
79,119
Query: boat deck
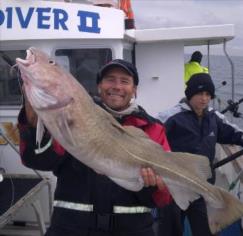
x,y
16,192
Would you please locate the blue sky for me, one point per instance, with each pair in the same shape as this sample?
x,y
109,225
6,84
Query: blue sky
x,y
174,13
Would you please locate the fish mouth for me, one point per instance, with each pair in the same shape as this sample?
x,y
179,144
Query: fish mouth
x,y
38,94
23,64
29,60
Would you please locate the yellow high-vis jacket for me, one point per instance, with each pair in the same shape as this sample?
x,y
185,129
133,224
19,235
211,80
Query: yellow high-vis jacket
x,y
192,68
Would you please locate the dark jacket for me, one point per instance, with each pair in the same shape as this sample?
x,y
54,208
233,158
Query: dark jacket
x,y
78,183
186,133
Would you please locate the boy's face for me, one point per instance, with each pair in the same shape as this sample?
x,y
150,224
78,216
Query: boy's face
x,y
200,101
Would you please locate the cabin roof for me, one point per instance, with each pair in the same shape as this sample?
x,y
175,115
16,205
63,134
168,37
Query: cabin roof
x,y
191,36
82,21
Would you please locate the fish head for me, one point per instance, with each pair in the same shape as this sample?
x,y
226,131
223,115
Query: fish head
x,y
44,81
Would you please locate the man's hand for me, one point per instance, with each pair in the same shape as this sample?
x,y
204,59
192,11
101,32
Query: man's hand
x,y
151,179
29,111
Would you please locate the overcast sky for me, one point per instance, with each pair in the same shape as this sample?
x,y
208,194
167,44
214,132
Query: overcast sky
x,y
174,13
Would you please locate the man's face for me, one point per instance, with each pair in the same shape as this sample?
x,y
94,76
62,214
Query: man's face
x,y
117,88
200,101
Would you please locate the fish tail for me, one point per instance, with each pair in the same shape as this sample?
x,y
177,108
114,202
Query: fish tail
x,y
230,211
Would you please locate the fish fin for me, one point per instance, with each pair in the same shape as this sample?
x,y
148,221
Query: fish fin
x,y
41,98
40,129
221,216
63,126
181,195
133,185
199,165
45,101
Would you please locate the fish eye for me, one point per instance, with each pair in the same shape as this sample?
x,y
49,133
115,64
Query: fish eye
x,y
52,62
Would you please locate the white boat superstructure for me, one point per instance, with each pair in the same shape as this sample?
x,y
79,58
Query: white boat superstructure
x,y
82,37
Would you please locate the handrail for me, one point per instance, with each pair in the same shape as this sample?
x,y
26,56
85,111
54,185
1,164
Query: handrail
x,y
228,159
232,151
35,171
208,49
232,71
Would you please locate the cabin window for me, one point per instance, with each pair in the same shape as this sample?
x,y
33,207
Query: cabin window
x,y
10,93
84,64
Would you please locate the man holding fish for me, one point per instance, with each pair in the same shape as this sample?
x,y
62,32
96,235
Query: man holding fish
x,y
87,202
92,145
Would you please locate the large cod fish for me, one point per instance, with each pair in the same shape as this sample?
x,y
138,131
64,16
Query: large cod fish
x,y
96,139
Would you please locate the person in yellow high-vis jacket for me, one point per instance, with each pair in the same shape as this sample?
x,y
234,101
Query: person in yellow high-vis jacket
x,y
193,66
